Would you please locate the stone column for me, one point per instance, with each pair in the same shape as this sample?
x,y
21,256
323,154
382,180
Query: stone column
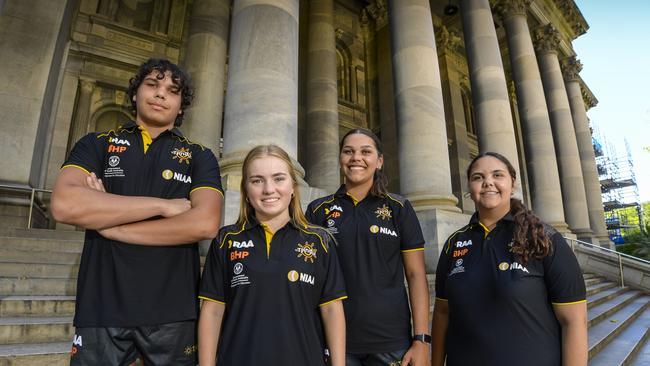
x,y
262,93
489,91
425,177
564,137
82,112
538,138
571,68
322,99
205,61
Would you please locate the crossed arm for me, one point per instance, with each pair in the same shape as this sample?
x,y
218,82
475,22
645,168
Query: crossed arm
x,y
79,199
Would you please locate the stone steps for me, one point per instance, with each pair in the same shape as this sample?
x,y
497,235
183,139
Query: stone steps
x,y
604,310
40,286
36,354
624,348
594,289
19,330
38,256
605,295
601,334
36,306
38,270
643,356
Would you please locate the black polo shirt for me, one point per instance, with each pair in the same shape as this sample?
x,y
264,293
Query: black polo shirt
x,y
272,292
372,235
123,285
500,311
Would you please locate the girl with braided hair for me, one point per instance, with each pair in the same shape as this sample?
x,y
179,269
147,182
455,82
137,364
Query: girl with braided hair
x,y
508,288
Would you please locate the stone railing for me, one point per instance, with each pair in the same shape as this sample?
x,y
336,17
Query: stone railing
x,y
622,268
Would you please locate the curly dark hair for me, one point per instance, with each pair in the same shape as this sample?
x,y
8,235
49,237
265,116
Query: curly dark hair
x,y
530,238
179,76
379,178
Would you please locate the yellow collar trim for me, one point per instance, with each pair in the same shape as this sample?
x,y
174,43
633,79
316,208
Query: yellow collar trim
x,y
354,200
268,235
146,138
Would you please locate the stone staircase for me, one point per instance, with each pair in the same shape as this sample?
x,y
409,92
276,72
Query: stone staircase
x,y
38,274
38,270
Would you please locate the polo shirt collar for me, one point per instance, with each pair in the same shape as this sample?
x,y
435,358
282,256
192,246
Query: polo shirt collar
x,y
507,218
252,222
131,124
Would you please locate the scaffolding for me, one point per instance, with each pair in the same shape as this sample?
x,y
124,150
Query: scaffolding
x,y
619,189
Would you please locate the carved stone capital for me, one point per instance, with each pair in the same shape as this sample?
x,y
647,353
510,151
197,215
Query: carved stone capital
x,y
572,16
86,85
546,39
508,8
378,11
447,40
571,67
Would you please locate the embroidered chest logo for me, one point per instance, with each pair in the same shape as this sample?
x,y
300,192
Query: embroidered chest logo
x,y
306,251
183,155
383,212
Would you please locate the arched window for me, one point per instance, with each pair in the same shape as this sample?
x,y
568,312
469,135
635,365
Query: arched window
x,y
110,118
343,73
468,109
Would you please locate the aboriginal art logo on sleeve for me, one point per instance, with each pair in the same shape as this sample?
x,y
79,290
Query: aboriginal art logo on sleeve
x,y
383,212
306,251
183,154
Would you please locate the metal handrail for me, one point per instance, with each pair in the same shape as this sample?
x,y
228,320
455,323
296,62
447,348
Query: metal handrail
x,y
619,255
32,196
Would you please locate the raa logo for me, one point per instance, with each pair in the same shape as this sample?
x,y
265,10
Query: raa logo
x,y
240,244
461,244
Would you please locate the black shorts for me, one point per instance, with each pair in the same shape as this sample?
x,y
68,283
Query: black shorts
x,y
157,345
375,359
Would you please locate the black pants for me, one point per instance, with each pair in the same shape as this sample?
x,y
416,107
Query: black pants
x,y
157,345
375,359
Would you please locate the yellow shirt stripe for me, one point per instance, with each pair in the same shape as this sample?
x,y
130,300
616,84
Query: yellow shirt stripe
x,y
75,166
205,187
412,250
568,303
212,300
331,301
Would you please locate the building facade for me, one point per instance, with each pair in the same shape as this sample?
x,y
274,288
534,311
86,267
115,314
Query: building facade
x,y
438,81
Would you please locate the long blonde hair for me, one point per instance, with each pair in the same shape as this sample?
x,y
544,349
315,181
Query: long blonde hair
x,y
245,208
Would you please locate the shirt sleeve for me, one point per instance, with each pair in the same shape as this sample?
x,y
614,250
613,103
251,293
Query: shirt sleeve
x,y
87,155
205,172
442,270
212,286
410,230
562,274
334,287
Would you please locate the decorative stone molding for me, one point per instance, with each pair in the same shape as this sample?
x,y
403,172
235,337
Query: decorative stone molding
x,y
447,40
571,68
378,11
546,39
587,96
508,8
573,16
